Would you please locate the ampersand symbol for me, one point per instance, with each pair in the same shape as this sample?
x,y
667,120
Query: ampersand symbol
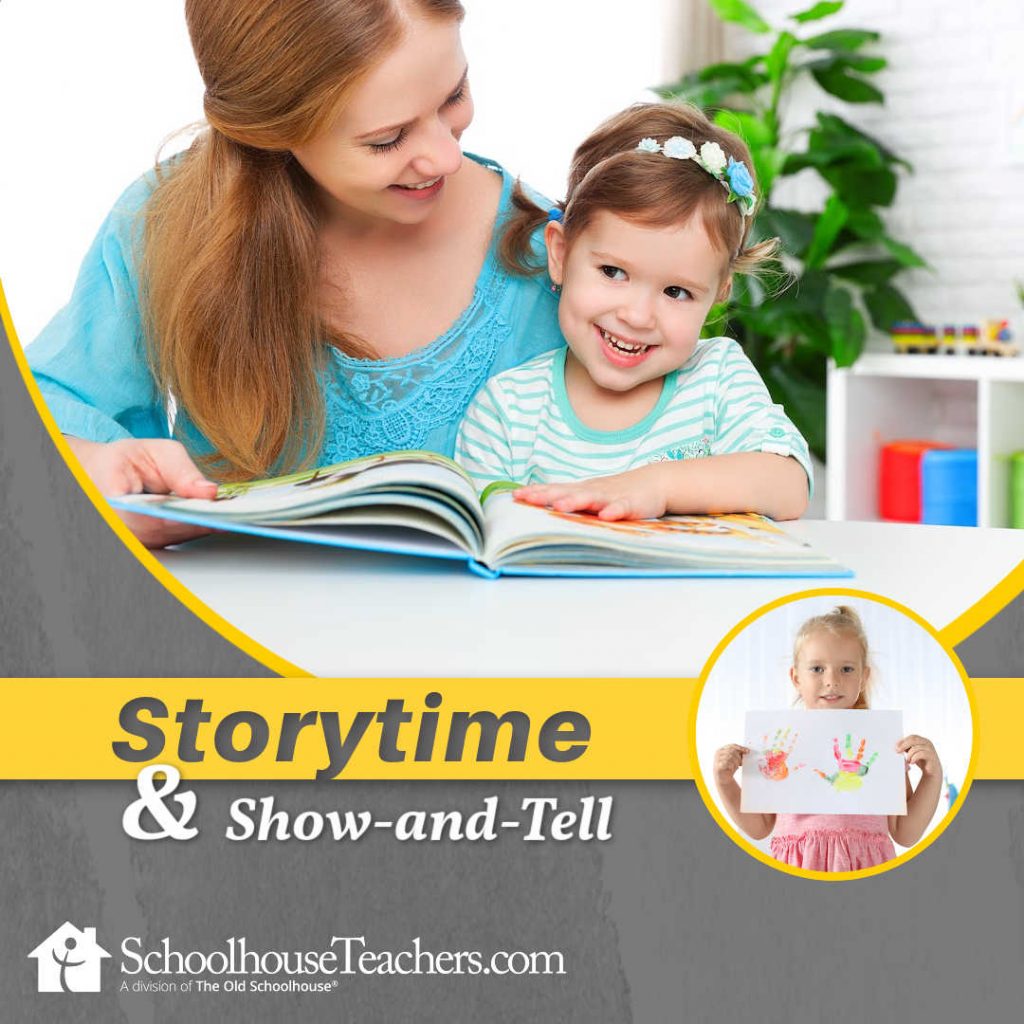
x,y
153,799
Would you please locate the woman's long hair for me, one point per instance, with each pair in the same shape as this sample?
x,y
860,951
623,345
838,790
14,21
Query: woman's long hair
x,y
231,258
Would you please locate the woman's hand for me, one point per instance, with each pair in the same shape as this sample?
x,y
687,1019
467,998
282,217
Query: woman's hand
x,y
636,494
727,761
920,751
153,466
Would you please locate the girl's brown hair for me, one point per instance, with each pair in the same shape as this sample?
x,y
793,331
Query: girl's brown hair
x,y
844,621
608,173
231,255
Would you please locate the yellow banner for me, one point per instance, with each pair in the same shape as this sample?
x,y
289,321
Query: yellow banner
x,y
389,728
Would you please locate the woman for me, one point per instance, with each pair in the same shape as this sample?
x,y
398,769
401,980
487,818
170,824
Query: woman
x,y
314,280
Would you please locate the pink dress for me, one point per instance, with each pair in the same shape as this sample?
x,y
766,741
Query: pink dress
x,y
832,842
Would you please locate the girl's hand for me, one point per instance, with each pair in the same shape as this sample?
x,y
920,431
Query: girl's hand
x,y
637,494
153,466
920,751
728,760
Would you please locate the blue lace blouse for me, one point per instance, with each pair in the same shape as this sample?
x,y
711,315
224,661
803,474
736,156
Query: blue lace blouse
x,y
90,360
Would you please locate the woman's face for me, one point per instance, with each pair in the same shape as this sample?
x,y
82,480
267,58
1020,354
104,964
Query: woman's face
x,y
396,140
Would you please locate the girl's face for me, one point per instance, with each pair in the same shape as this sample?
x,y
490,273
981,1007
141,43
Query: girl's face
x,y
634,297
829,671
396,139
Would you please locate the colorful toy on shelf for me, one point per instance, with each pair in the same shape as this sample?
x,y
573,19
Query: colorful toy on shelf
x,y
951,343
899,479
997,339
911,336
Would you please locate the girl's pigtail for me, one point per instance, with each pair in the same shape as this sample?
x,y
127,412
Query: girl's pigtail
x,y
516,249
752,258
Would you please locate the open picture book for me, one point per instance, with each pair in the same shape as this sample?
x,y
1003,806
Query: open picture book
x,y
420,503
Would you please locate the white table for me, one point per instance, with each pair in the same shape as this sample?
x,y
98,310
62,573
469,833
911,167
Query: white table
x,y
348,613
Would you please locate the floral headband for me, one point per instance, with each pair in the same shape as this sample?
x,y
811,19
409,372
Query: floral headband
x,y
732,175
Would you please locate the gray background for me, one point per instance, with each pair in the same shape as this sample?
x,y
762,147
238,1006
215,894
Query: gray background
x,y
668,921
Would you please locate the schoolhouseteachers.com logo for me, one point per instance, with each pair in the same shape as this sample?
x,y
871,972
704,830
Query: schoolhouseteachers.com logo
x,y
69,960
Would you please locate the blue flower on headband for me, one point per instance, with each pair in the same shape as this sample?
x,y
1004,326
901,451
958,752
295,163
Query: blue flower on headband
x,y
740,181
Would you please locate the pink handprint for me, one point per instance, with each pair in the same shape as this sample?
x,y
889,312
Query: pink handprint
x,y
851,768
774,760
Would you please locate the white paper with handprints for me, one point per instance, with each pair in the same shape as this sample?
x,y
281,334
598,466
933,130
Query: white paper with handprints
x,y
823,762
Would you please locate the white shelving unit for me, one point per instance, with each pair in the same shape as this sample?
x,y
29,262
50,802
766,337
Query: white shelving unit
x,y
967,401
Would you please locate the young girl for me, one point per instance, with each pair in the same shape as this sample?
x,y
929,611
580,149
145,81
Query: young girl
x,y
638,417
831,670
315,279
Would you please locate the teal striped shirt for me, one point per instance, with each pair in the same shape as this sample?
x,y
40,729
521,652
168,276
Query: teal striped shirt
x,y
521,426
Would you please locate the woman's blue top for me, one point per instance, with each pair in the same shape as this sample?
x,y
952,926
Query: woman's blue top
x,y
91,364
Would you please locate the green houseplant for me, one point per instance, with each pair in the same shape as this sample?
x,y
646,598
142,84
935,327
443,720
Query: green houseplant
x,y
839,262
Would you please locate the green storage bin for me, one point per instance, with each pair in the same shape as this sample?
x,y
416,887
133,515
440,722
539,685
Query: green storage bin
x,y
1017,490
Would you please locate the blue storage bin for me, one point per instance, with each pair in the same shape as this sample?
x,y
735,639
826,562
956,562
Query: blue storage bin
x,y
949,487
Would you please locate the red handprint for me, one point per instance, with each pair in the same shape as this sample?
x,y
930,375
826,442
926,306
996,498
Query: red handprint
x,y
774,760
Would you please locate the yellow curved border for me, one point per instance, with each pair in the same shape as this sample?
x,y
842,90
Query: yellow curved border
x,y
206,614
727,826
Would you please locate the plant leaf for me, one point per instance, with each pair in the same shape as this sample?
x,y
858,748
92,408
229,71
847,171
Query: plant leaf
x,y
903,253
748,127
837,82
794,228
828,225
845,326
862,187
819,10
868,272
886,304
777,58
834,124
740,13
866,224
842,39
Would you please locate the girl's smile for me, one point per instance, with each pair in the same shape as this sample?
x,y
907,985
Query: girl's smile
x,y
634,296
621,351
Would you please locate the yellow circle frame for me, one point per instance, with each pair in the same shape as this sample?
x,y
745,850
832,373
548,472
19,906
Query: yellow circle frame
x,y
727,826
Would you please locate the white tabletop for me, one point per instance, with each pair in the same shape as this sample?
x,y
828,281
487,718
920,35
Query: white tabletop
x,y
345,613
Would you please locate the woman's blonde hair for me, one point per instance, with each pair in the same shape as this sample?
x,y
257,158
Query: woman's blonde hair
x,y
607,173
843,621
231,258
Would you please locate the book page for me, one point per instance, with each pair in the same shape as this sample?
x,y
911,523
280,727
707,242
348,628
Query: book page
x,y
421,481
520,535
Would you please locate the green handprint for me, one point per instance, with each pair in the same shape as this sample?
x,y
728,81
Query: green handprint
x,y
851,769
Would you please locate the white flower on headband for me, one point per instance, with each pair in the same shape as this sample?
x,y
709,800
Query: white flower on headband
x,y
713,158
733,175
679,148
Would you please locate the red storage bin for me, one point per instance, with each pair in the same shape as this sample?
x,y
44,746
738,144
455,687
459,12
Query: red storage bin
x,y
899,479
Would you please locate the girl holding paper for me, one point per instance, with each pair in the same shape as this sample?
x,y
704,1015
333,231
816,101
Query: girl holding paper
x,y
831,671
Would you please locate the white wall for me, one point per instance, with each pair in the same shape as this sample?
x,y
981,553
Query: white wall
x,y
912,673
955,109
91,90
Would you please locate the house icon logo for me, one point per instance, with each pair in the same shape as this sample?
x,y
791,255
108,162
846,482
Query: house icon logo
x,y
69,960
